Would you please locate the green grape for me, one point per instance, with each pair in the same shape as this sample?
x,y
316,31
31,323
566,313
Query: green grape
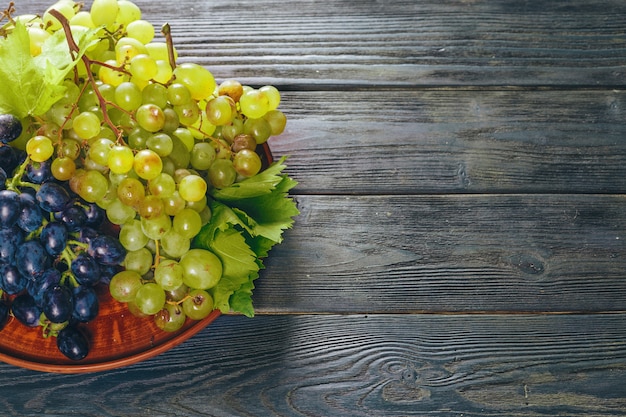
x,y
147,164
223,150
178,94
120,159
159,51
259,129
197,206
131,192
128,12
160,143
187,223
163,185
206,215
230,132
173,204
254,104
170,318
50,22
185,137
155,94
99,150
188,113
132,237
139,260
174,244
272,94
172,121
111,76
202,156
128,96
92,186
164,71
82,18
127,48
150,117
277,121
156,227
179,156
243,141
202,269
247,163
104,12
124,286
177,294
151,207
231,88
39,148
63,168
107,91
222,173
119,213
138,137
192,188
37,37
150,298
143,67
220,110
59,114
109,197
142,30
197,79
198,305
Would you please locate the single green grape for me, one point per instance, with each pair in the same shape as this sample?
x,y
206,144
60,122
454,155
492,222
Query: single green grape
x,y
198,305
128,96
132,237
124,285
120,159
139,260
147,164
170,318
150,117
39,148
150,298
187,222
192,188
197,79
202,156
202,269
142,30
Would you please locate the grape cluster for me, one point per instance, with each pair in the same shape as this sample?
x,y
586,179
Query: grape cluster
x,y
138,139
52,253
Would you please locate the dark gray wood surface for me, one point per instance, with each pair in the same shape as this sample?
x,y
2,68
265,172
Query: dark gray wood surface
x,y
461,248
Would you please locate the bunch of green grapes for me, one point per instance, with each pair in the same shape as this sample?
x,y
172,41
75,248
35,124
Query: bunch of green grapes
x,y
145,139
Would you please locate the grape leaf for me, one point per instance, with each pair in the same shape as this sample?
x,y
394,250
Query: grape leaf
x,y
30,86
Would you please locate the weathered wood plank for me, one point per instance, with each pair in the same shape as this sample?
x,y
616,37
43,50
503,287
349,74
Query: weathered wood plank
x,y
416,365
449,253
478,42
438,141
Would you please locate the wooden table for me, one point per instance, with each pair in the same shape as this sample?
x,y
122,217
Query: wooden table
x,y
462,244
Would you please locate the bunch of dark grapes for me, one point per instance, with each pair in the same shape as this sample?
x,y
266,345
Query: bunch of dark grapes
x,y
52,252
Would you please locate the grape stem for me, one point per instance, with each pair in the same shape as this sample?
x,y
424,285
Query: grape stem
x,y
15,182
166,30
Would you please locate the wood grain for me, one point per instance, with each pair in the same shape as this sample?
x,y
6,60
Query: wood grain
x,y
392,365
449,253
379,141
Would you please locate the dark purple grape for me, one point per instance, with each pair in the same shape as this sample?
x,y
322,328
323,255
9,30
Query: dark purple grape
x,y
73,217
10,128
9,159
3,178
39,172
107,272
9,208
52,197
54,237
38,287
25,310
32,259
31,216
87,234
72,343
4,314
107,250
95,214
85,269
58,303
11,281
10,241
86,304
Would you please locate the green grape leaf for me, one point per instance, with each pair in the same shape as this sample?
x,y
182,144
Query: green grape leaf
x,y
241,300
30,86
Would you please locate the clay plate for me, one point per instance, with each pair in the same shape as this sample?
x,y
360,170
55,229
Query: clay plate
x,y
117,338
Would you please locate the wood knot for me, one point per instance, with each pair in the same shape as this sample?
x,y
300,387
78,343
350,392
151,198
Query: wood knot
x,y
528,264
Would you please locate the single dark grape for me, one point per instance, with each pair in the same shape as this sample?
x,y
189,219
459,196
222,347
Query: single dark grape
x,y
4,314
86,304
73,217
3,178
11,281
54,237
10,128
37,287
107,272
32,259
107,250
52,197
85,269
25,310
94,215
58,303
31,215
10,208
39,172
72,343
87,234
9,159
10,241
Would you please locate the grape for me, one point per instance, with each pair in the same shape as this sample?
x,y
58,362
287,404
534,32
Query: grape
x,y
220,110
169,275
119,213
63,168
94,215
72,343
86,125
202,156
58,303
247,163
52,197
198,80
85,269
10,240
147,164
104,12
143,67
199,304
131,192
155,94
163,185
173,204
124,286
151,207
150,117
92,186
11,281
139,260
9,208
156,227
132,237
160,143
222,173
171,318
150,298
10,128
26,310
54,237
174,244
39,148
277,121
39,172
74,218
202,269
86,304
107,250
128,12
254,104
31,259
243,141
120,159
192,188
187,223
231,88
